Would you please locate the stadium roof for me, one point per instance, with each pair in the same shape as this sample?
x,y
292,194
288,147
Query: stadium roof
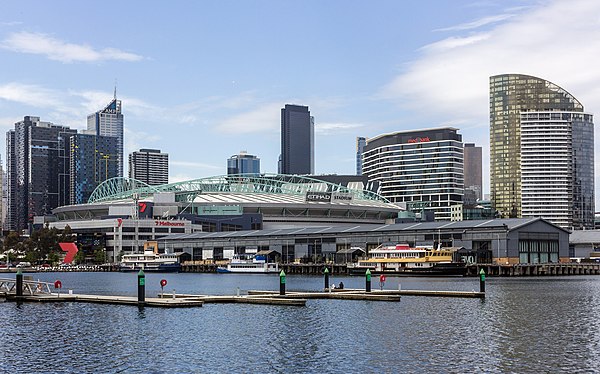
x,y
238,186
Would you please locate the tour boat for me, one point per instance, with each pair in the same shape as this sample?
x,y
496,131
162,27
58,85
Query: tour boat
x,y
243,263
151,262
401,259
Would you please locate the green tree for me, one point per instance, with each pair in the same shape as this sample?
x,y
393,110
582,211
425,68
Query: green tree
x,y
67,235
53,258
79,257
99,256
11,241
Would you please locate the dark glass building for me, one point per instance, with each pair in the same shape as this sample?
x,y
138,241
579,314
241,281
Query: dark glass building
x,y
360,147
243,163
297,141
94,159
473,167
150,166
37,170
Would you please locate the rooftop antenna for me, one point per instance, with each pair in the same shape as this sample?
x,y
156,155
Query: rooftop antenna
x,y
115,88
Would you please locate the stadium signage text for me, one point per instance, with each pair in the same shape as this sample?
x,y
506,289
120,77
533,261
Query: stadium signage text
x,y
169,223
318,197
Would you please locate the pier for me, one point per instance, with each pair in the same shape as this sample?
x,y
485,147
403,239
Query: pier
x,y
523,270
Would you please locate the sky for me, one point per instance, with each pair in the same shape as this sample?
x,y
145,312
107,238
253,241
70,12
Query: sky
x,y
204,80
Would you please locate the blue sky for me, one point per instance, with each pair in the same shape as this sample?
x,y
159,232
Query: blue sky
x,y
203,80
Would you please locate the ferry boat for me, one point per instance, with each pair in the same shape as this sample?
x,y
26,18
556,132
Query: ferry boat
x,y
245,263
401,259
149,261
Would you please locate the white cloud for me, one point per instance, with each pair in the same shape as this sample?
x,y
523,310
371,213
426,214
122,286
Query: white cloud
x,y
58,50
455,42
29,94
478,23
196,165
265,118
180,178
450,79
336,128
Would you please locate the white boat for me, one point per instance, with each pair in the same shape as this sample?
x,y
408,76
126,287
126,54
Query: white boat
x,y
245,263
150,261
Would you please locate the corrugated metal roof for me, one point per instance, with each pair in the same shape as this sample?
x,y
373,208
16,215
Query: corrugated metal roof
x,y
584,237
508,224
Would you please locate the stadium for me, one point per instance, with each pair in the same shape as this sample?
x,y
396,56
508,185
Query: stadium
x,y
122,213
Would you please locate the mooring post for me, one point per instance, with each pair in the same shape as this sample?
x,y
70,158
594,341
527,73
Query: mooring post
x,y
282,283
482,281
368,280
141,287
19,282
326,272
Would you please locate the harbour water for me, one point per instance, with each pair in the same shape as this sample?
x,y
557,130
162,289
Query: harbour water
x,y
525,325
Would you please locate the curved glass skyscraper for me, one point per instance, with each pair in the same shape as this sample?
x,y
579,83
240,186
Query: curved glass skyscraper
x,y
541,152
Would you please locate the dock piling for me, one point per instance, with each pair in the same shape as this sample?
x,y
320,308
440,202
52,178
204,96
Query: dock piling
x,y
282,283
141,287
19,279
368,280
326,272
482,281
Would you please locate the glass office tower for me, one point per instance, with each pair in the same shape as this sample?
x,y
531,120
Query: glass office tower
x,y
297,140
243,163
109,122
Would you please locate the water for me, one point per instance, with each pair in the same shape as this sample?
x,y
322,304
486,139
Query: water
x,y
526,325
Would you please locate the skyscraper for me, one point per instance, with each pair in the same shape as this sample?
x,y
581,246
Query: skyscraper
x,y
422,168
473,177
360,147
297,140
243,163
511,95
93,160
557,168
109,122
37,169
149,166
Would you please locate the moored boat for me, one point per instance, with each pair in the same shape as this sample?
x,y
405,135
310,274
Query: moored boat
x,y
244,263
401,259
151,262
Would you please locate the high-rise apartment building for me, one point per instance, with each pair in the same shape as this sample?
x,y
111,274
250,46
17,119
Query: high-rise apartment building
x,y
541,152
37,170
510,96
150,166
243,163
422,168
557,168
473,171
93,160
109,122
297,141
360,147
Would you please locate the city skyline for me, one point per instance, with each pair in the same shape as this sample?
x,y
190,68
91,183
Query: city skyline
x,y
363,70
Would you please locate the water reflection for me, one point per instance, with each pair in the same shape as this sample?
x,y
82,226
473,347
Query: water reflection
x,y
525,325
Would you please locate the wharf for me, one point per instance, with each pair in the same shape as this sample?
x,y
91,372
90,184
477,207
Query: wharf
x,y
271,299
107,299
516,270
350,294
380,295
